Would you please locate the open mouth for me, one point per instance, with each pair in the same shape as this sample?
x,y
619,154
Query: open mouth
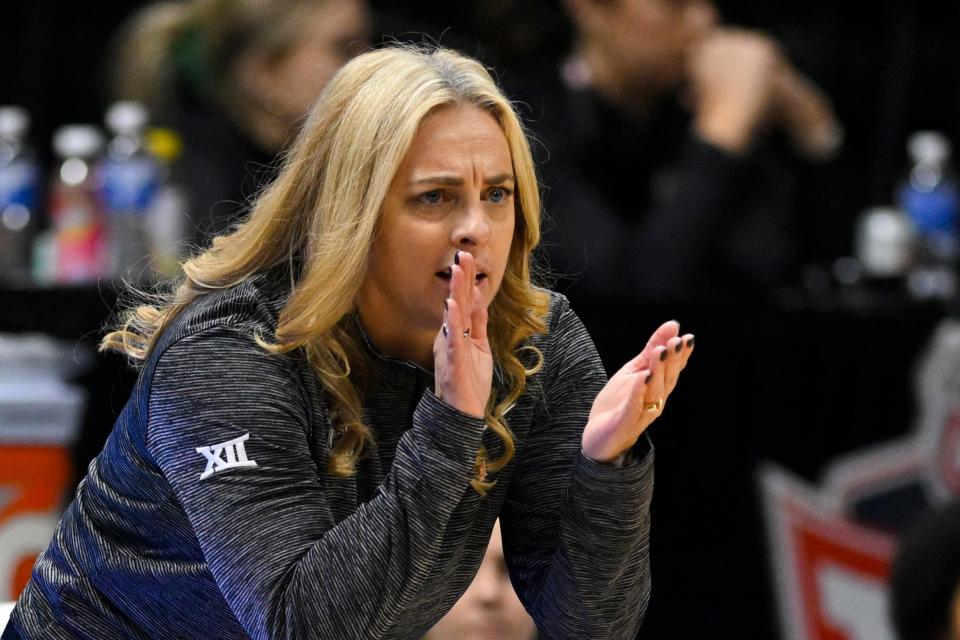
x,y
446,273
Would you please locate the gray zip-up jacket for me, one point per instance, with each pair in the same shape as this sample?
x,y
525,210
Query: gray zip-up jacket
x,y
209,513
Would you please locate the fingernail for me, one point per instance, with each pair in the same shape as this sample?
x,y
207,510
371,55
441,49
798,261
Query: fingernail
x,y
444,329
663,355
678,347
689,342
456,258
649,378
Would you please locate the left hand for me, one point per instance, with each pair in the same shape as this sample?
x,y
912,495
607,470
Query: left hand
x,y
635,396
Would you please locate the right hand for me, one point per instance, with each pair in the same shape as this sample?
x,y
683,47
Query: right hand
x,y
740,82
731,75
462,359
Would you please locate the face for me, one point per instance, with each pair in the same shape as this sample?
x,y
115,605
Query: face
x,y
330,34
647,41
489,609
453,191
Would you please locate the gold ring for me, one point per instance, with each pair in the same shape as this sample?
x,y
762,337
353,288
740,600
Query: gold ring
x,y
653,406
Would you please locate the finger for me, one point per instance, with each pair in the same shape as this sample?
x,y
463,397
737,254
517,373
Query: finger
x,y
664,332
459,289
440,353
639,362
679,353
479,317
469,264
454,333
654,391
671,365
465,264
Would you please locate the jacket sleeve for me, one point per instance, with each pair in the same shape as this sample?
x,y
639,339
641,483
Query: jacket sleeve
x,y
576,531
285,568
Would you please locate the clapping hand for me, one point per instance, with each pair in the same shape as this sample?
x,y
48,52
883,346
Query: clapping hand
x,y
636,395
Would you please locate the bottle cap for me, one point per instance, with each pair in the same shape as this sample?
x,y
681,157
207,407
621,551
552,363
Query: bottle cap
x,y
126,117
929,147
14,122
77,140
166,144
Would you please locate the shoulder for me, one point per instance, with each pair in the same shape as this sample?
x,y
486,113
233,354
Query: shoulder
x,y
216,335
251,307
565,330
566,345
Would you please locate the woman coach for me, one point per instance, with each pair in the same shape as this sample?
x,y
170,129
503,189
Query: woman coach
x,y
340,397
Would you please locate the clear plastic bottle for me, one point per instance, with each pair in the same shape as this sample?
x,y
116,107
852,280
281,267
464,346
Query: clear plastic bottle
x,y
19,194
131,177
76,215
930,197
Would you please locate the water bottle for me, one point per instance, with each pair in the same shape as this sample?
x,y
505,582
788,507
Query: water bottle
x,y
131,177
19,195
167,221
884,244
76,215
930,197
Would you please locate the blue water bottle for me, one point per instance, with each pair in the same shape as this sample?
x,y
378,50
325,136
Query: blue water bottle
x,y
931,199
131,177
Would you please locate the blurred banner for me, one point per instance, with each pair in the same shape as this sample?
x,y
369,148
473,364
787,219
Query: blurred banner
x,y
39,419
831,546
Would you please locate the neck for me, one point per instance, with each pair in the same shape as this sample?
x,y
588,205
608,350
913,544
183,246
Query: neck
x,y
395,340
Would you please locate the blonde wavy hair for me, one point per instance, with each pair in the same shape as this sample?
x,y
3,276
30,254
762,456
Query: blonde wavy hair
x,y
322,213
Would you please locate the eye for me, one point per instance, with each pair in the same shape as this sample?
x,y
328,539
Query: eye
x,y
497,195
431,197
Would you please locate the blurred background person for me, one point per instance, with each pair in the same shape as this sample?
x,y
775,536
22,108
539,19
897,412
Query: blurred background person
x,y
234,78
489,609
661,130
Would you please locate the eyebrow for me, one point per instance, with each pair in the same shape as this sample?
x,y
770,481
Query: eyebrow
x,y
455,181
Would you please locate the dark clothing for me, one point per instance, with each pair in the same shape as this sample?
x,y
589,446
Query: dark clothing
x,y
210,513
220,168
652,212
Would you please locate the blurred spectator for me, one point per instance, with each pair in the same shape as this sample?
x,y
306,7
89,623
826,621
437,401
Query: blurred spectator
x,y
664,179
925,578
234,78
490,608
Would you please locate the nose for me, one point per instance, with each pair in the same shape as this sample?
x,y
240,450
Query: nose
x,y
472,227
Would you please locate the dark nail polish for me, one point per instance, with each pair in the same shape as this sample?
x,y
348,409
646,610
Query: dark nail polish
x,y
649,378
689,342
663,355
678,347
444,328
456,258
